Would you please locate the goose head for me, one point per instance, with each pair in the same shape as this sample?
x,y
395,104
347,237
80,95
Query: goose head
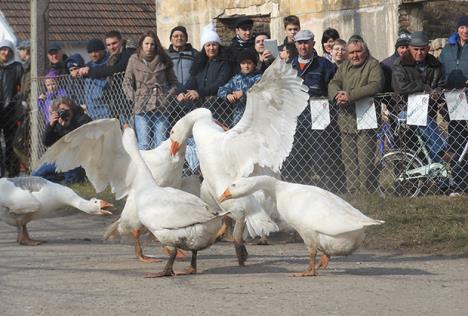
x,y
182,130
95,206
239,188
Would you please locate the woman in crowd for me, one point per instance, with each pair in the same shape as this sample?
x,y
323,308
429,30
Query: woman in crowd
x,y
328,39
150,77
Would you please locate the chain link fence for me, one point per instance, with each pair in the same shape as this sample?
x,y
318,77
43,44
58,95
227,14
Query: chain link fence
x,y
388,144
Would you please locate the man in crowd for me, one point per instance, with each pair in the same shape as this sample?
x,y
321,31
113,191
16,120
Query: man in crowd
x,y
401,46
244,35
358,77
292,25
10,80
418,71
313,146
182,53
57,59
265,58
117,62
454,59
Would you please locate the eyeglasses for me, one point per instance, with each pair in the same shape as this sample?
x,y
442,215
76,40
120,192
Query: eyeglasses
x,y
343,50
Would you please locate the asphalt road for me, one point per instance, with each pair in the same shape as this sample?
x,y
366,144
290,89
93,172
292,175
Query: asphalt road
x,y
76,273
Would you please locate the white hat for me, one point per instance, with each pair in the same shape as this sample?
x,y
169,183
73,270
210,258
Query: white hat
x,y
209,35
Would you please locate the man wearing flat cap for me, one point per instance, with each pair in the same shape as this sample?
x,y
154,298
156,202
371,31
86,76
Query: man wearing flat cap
x,y
454,59
419,71
244,36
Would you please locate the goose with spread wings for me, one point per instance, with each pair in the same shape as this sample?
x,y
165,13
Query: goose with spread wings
x,y
97,147
263,137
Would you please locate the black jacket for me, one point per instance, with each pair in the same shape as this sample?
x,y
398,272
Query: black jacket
x,y
54,133
10,83
407,79
108,70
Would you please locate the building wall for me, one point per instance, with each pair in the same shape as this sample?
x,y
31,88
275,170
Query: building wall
x,y
375,20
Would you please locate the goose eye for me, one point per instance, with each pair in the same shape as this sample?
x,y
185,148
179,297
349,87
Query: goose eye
x,y
233,185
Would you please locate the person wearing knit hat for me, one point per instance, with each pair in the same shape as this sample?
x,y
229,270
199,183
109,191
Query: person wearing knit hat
x,y
235,90
401,46
210,70
454,59
95,45
181,53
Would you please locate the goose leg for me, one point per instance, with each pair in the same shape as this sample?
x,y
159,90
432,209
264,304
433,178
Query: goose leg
x,y
168,269
223,232
193,265
323,261
24,239
139,250
180,253
239,244
311,272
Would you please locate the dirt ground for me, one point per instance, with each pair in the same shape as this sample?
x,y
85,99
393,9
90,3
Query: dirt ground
x,y
76,273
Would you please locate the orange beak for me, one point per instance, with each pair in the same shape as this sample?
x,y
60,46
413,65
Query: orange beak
x,y
226,195
104,205
125,126
175,146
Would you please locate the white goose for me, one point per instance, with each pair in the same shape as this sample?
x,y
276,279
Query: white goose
x,y
97,147
263,137
325,221
178,219
28,198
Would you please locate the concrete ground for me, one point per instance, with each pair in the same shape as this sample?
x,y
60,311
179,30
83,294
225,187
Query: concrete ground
x,y
76,273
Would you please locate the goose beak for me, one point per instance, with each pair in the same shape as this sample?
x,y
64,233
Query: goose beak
x,y
105,205
175,146
226,195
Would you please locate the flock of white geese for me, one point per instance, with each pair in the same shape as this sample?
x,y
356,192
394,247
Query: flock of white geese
x,y
238,168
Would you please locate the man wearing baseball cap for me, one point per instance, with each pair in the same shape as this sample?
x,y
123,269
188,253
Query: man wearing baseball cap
x,y
57,59
454,59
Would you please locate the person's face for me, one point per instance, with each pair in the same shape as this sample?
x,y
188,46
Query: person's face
x,y
419,53
339,53
247,66
4,54
463,33
291,30
96,55
357,55
51,85
148,45
260,43
65,122
23,54
178,39
244,32
328,45
305,48
211,49
55,56
113,45
401,50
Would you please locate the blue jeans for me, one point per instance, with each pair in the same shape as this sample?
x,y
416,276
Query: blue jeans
x,y
191,155
238,111
47,171
151,128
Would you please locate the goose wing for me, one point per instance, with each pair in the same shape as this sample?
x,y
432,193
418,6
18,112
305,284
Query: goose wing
x,y
265,133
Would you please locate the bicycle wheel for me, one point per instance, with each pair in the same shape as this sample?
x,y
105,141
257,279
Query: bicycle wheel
x,y
399,174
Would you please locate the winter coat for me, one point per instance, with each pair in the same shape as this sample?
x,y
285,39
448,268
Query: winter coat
x,y
95,100
54,133
359,82
454,61
44,103
10,84
240,82
407,79
387,65
316,74
214,74
182,62
145,83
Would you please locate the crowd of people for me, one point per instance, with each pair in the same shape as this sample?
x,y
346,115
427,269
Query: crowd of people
x,y
339,157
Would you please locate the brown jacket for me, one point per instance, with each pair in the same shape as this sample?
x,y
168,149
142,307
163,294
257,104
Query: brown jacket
x,y
147,83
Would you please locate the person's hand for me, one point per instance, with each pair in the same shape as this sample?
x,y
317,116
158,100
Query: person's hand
x,y
231,98
192,95
265,55
181,97
83,71
75,72
238,94
54,117
342,98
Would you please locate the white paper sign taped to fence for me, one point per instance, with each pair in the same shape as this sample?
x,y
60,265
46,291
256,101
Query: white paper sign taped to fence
x,y
366,116
417,109
457,105
320,113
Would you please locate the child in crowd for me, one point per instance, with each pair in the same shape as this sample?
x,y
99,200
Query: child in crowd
x,y
339,52
235,90
52,92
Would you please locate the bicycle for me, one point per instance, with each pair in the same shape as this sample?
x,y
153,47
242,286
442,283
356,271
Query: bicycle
x,y
403,173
